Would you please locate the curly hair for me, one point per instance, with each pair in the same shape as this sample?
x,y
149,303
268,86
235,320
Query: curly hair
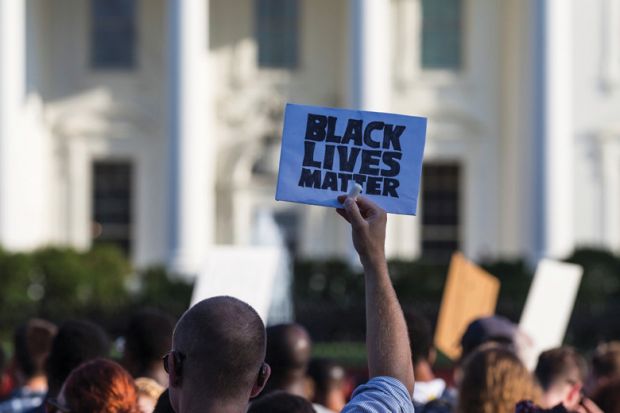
x,y
101,386
494,380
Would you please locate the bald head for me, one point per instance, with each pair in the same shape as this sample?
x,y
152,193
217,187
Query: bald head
x,y
288,353
288,347
223,341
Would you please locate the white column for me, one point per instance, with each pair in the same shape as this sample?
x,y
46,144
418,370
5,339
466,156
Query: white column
x,y
371,57
192,141
610,59
12,95
556,137
370,89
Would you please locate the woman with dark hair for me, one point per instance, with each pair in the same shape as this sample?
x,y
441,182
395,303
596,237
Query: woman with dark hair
x,y
97,386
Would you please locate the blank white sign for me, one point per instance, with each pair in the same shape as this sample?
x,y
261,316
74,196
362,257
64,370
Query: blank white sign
x,y
246,273
549,306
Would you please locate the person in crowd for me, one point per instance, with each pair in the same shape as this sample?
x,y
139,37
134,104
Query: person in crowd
x,y
97,386
561,372
492,329
218,347
607,396
288,354
605,365
149,392
77,341
32,343
427,386
328,384
6,384
493,381
280,401
147,338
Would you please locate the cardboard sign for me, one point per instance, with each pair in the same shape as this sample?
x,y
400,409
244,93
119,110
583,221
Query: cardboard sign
x,y
470,293
246,273
549,306
326,151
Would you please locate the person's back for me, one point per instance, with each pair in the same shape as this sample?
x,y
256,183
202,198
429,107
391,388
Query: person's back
x,y
147,338
561,372
288,355
217,359
32,343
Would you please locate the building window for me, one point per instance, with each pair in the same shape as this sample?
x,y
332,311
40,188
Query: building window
x,y
112,203
113,34
277,33
441,34
441,223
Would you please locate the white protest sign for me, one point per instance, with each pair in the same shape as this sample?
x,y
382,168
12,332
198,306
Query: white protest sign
x,y
246,273
325,151
549,306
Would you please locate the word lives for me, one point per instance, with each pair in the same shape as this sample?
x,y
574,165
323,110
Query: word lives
x,y
368,154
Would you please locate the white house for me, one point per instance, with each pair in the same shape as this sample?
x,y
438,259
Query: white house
x,y
155,124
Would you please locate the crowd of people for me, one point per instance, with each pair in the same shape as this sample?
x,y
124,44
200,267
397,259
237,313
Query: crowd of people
x,y
219,357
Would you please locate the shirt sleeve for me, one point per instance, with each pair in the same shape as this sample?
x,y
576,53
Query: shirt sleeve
x,y
380,395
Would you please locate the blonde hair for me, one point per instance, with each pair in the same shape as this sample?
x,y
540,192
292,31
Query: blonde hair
x,y
494,381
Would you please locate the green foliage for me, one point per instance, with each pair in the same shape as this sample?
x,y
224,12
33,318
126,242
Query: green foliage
x,y
160,290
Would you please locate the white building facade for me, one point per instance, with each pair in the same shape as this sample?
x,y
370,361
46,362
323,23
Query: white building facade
x,y
155,124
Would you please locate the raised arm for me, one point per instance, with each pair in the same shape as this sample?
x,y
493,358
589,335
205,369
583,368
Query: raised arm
x,y
387,340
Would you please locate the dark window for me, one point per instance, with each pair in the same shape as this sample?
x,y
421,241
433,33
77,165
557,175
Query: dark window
x,y
112,202
440,211
113,36
277,33
441,34
288,222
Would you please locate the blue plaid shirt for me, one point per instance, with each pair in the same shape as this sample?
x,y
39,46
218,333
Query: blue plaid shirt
x,y
380,395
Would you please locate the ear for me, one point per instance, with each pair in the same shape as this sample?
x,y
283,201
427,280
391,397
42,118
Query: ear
x,y
174,376
574,395
261,380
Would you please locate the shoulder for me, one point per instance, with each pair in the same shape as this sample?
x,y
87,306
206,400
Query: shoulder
x,y
380,395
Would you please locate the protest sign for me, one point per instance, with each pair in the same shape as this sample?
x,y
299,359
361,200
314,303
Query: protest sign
x,y
325,151
246,273
470,293
549,306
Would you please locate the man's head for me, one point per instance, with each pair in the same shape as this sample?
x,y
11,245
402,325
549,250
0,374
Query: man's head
x,y
605,364
288,353
493,329
281,402
77,341
561,373
147,338
328,380
32,344
420,338
218,353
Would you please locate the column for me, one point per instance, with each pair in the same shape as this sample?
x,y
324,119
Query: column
x,y
554,130
12,95
192,142
371,73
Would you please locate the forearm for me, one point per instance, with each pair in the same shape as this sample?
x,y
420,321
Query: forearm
x,y
387,341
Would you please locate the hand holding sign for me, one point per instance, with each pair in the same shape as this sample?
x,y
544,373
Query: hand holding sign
x,y
326,151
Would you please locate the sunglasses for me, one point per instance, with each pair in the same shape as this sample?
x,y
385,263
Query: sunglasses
x,y
52,405
178,360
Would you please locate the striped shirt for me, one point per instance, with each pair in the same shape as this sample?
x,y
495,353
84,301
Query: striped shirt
x,y
380,395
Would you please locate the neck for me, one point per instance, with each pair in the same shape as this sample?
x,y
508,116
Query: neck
x,y
199,402
293,383
37,383
423,371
